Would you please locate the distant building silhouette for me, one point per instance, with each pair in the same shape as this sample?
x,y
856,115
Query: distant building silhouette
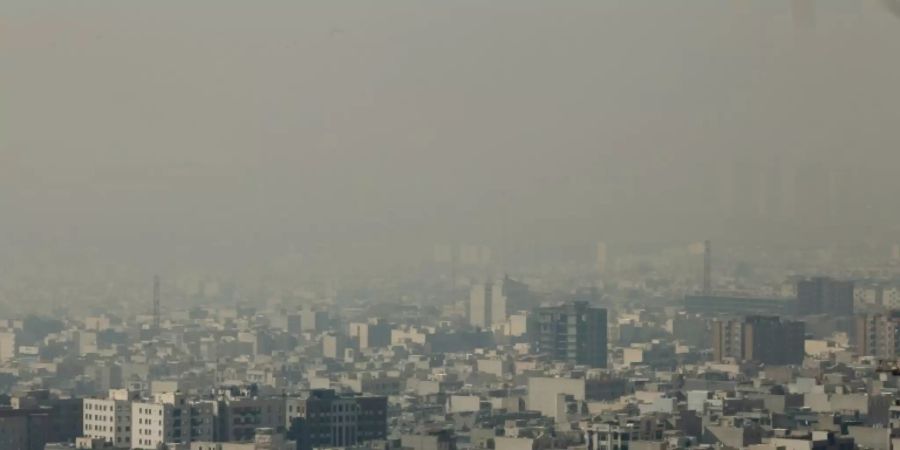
x,y
490,303
731,305
823,295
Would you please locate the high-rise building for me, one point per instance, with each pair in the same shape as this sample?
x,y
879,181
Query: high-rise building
x,y
480,305
878,335
573,332
312,319
823,295
728,340
499,304
770,340
327,419
490,303
333,345
294,323
764,339
373,333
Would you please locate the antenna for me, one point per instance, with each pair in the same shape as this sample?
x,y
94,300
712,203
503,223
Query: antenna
x,y
707,267
156,303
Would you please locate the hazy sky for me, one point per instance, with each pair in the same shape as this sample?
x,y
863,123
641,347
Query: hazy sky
x,y
173,125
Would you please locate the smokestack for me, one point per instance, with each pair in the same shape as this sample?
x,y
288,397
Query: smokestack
x,y
707,267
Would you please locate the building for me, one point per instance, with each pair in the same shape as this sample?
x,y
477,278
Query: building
x,y
480,305
816,440
692,330
311,319
7,346
109,418
728,340
334,345
327,419
238,418
764,339
823,295
65,413
372,383
610,436
434,440
82,443
107,376
372,334
170,418
293,323
86,342
737,306
24,429
491,302
544,393
877,335
573,332
773,341
264,439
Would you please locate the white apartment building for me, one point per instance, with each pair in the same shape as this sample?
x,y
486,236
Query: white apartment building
x,y
109,418
169,418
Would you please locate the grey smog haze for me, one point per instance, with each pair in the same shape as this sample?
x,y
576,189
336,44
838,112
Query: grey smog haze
x,y
450,224
223,128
